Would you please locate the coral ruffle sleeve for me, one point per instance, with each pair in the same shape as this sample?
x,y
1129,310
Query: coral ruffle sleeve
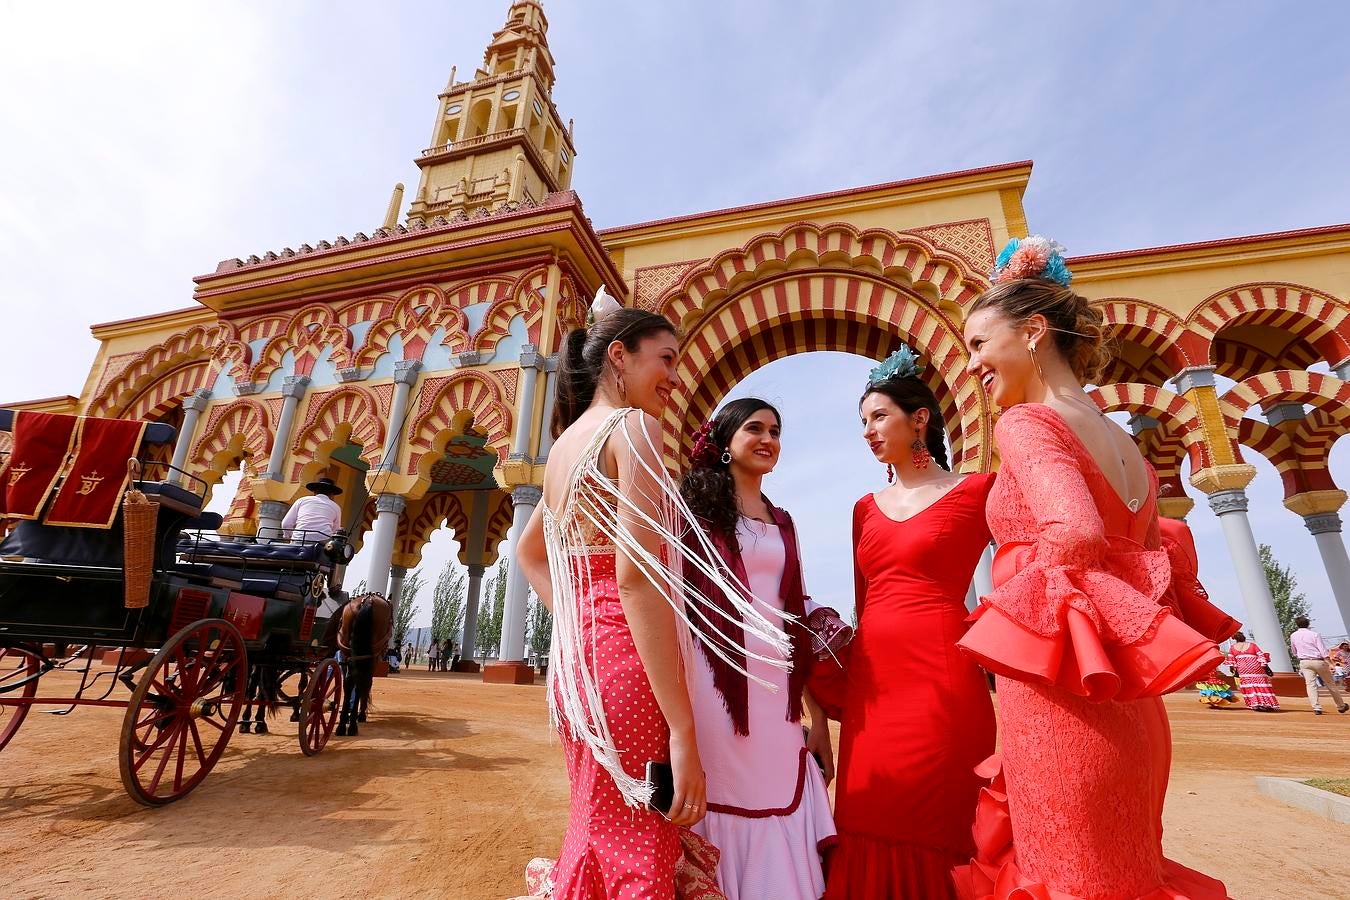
x,y
1078,599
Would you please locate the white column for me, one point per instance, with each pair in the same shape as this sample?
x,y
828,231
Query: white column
x,y
550,398
292,389
529,372
524,498
983,582
192,411
476,551
405,375
396,576
469,639
1326,530
271,512
1262,622
388,508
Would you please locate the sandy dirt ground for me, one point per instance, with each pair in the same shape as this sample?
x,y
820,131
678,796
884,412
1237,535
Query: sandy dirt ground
x,y
454,785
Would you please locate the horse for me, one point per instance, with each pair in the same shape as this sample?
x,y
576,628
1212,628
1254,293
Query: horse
x,y
366,625
261,693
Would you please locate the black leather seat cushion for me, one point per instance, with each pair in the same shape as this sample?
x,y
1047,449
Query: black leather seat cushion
x,y
274,556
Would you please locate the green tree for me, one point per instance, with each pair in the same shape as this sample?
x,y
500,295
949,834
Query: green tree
x,y
490,616
1283,582
447,602
539,626
407,607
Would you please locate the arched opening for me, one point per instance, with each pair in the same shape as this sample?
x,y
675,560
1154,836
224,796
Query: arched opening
x,y
479,116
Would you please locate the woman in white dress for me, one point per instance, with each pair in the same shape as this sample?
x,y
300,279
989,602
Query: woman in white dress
x,y
768,810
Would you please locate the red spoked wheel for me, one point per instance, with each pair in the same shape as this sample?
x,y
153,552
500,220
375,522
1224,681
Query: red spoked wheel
x,y
183,711
18,675
319,710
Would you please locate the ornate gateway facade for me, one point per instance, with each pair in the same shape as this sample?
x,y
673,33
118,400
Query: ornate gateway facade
x,y
415,364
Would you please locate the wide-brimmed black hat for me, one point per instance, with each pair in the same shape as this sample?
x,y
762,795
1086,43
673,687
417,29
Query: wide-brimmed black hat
x,y
324,485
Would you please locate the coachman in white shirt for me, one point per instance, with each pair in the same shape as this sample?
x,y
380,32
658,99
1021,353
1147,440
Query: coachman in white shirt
x,y
316,517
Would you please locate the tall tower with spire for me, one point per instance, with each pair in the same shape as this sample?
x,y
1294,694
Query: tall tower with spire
x,y
498,138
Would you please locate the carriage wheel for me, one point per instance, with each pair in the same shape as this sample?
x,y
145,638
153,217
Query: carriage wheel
x,y
183,711
16,666
322,703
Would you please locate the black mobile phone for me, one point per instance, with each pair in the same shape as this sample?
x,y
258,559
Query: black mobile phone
x,y
662,779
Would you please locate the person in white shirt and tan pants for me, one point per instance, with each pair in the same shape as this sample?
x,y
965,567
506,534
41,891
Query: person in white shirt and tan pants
x,y
1312,655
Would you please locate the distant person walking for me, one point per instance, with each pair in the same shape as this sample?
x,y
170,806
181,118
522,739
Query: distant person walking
x,y
1313,657
1340,663
447,649
433,656
1251,665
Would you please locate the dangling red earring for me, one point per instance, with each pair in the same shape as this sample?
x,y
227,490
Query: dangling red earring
x,y
890,474
920,455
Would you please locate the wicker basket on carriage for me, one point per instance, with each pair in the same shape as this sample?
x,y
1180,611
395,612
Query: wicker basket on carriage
x,y
139,513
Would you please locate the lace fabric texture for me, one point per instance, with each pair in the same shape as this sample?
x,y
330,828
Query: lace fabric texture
x,y
596,518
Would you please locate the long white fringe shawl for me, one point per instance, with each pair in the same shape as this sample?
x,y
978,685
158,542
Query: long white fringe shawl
x,y
593,506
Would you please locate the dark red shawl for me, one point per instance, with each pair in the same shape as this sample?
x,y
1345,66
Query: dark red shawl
x,y
732,685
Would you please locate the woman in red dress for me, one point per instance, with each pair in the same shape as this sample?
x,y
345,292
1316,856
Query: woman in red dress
x,y
916,716
1080,628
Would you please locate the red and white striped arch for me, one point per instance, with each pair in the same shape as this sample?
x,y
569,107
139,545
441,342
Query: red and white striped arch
x,y
443,403
1174,412
241,428
333,419
437,510
1153,328
830,309
524,297
1306,313
198,351
907,260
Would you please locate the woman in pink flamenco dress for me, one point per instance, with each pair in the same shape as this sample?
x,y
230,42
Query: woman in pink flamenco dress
x,y
768,808
1080,628
602,550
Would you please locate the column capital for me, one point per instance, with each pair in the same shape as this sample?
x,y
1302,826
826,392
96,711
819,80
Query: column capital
x,y
398,571
1194,377
353,373
405,371
526,495
476,570
246,388
551,363
197,400
467,358
1233,477
390,503
1279,413
1225,502
294,386
1342,369
273,508
1140,423
529,357
1325,523
1315,503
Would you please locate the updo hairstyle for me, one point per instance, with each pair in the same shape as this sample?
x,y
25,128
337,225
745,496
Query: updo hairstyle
x,y
584,358
1079,329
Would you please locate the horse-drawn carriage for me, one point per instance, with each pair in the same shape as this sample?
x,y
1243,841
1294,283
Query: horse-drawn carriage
x,y
214,610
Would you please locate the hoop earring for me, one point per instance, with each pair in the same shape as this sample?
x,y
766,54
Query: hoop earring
x,y
890,474
726,457
1031,348
919,454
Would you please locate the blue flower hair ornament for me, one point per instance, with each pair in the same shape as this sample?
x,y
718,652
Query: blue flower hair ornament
x,y
903,363
1032,257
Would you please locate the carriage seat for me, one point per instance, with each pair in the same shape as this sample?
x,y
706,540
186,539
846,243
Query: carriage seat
x,y
247,555
172,496
282,585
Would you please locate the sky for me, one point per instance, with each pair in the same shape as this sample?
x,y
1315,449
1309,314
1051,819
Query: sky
x,y
143,143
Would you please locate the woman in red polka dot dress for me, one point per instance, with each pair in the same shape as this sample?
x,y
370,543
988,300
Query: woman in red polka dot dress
x,y
601,551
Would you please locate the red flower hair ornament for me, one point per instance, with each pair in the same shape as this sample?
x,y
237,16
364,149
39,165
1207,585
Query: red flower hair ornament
x,y
706,454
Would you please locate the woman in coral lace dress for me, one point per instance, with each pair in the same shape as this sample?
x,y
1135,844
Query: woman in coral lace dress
x,y
768,809
917,717
1078,628
602,552
1249,664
